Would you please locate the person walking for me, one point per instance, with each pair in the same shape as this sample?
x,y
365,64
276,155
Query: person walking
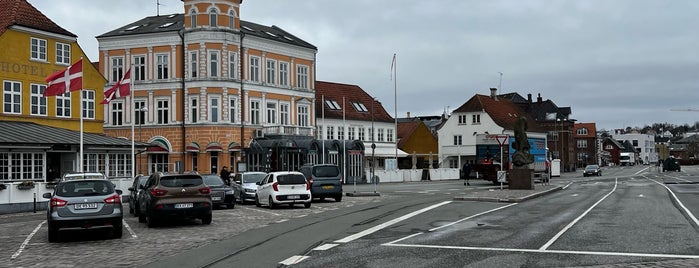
x,y
225,175
466,173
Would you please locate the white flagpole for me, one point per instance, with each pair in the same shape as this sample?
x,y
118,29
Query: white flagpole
x,y
80,157
395,101
323,128
133,120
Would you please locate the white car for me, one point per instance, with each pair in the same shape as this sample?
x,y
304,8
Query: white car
x,y
283,187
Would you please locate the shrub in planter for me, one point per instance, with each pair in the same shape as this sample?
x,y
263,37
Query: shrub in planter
x,y
25,185
3,187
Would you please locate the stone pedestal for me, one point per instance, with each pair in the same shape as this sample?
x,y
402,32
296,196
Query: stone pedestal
x,y
521,179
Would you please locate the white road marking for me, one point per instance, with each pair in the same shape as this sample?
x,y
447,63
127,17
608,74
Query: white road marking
x,y
559,234
26,241
325,247
128,228
388,223
574,194
263,211
641,195
293,260
472,216
641,171
696,222
601,253
282,220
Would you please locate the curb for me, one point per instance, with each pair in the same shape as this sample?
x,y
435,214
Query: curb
x,y
508,200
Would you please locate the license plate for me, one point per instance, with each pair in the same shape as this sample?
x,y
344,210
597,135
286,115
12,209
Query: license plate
x,y
293,197
328,187
216,198
85,205
185,205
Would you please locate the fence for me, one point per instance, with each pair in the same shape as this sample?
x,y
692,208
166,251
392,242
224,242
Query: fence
x,y
411,175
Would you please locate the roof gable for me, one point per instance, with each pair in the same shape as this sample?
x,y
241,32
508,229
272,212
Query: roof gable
x,y
503,111
22,13
355,101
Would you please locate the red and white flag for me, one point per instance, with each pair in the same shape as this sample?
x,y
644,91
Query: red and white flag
x,y
122,88
66,80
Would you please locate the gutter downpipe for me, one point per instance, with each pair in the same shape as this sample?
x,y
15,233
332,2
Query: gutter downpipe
x,y
241,58
183,102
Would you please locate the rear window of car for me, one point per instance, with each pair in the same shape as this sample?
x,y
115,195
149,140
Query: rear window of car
x,y
181,181
253,178
84,188
326,171
213,180
291,179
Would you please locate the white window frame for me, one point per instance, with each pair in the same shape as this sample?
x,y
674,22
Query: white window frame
x,y
476,119
283,74
255,111
389,135
302,76
62,53
232,108
231,19
271,108
193,17
38,102
350,133
37,49
214,109
303,115
140,113
341,133
63,104
194,109
193,64
140,72
117,64
254,69
12,97
88,105
213,17
117,107
162,66
284,113
271,67
360,134
214,58
380,133
162,111
582,144
232,65
330,132
458,140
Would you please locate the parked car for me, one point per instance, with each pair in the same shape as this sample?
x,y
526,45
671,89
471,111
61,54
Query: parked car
x,y
83,175
283,187
325,180
134,192
89,203
175,196
592,170
671,164
245,187
221,194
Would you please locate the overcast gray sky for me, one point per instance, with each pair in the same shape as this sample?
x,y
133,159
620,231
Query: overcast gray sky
x,y
616,63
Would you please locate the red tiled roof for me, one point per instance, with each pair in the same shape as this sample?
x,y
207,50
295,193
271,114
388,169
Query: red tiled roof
x,y
22,13
405,130
591,130
503,111
352,94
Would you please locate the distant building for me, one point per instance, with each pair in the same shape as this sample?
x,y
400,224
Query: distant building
x,y
586,149
644,145
416,139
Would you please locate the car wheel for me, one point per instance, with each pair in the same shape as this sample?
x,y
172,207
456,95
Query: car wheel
x,y
271,204
151,221
53,233
231,205
118,230
257,201
307,204
206,219
338,198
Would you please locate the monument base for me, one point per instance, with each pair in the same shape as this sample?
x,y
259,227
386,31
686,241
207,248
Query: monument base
x,y
521,179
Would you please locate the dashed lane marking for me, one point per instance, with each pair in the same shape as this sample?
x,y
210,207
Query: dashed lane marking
x,y
293,260
26,241
325,246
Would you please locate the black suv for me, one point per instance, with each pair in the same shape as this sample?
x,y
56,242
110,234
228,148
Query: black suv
x,y
175,196
325,180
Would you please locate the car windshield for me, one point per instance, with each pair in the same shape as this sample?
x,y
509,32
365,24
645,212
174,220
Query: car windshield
x,y
291,179
142,180
181,181
84,188
84,177
326,171
213,180
591,167
253,178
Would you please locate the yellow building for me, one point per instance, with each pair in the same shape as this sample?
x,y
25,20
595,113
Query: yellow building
x,y
33,47
207,83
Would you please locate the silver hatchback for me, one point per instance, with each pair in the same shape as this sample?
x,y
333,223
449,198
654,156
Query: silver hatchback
x,y
82,204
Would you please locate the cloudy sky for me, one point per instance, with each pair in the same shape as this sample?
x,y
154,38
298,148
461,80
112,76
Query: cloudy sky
x,y
616,63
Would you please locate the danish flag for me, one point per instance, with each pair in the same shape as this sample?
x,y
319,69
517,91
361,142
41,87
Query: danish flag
x,y
122,88
66,80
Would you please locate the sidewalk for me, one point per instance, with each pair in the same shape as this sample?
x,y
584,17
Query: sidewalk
x,y
511,196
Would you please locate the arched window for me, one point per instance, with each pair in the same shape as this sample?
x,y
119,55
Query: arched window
x,y
231,19
193,18
213,15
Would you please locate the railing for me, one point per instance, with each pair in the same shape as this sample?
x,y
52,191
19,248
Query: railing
x,y
288,130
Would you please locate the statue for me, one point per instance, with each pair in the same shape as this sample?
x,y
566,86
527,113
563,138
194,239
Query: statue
x,y
521,158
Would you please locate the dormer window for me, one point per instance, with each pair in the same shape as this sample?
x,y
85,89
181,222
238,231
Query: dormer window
x,y
213,15
359,107
333,105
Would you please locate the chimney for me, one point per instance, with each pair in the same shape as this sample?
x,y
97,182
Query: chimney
x,y
494,93
538,99
529,97
408,115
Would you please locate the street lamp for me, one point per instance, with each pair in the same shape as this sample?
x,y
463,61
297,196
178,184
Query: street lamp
x,y
141,117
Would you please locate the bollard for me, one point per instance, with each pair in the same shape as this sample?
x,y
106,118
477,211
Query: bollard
x,y
34,202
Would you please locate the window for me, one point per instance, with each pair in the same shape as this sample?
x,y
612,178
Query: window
x,y
271,112
193,18
271,71
330,132
213,64
117,113
213,17
333,105
254,69
608,147
21,166
193,65
582,131
350,133
62,53
139,65
232,66
458,139
582,143
12,97
361,134
359,107
476,119
254,112
231,21
635,143
88,99
380,133
302,76
232,107
389,135
303,116
284,74
193,110
38,102
162,110
63,105
159,163
38,49
284,114
141,110
163,64
119,165
117,68
462,119
214,109
340,133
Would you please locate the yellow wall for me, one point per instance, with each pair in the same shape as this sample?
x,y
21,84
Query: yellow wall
x,y
16,66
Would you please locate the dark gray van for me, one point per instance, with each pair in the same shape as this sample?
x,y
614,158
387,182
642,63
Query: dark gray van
x,y
325,180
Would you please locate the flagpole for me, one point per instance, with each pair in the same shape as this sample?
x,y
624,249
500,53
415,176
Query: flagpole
x,y
80,99
395,101
324,128
133,120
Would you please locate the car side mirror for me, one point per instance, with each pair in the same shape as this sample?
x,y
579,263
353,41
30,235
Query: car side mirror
x,y
131,189
119,191
47,195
